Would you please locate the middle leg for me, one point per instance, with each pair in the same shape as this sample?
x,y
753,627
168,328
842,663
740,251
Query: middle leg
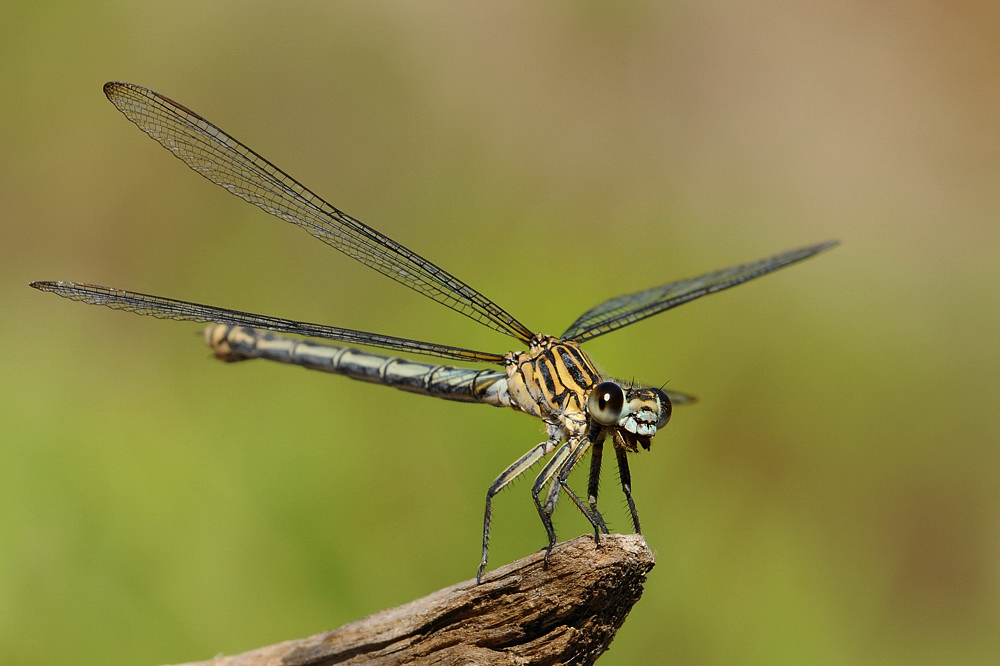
x,y
545,476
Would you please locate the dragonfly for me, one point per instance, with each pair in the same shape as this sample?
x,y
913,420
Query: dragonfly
x,y
555,380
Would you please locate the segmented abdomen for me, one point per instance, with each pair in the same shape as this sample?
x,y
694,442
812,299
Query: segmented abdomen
x,y
238,343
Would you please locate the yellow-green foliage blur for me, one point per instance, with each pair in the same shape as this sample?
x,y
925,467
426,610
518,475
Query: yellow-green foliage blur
x,y
834,497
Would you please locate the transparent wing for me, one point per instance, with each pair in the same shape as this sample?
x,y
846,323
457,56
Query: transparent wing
x,y
678,398
168,308
624,310
226,162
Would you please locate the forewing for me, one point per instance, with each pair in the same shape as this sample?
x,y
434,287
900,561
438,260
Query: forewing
x,y
624,310
226,162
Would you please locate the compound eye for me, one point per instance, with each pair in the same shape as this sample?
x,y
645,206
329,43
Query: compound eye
x,y
665,409
606,403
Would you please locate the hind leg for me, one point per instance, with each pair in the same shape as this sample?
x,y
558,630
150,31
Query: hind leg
x,y
519,466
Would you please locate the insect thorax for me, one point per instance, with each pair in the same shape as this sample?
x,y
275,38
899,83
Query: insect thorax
x,y
551,381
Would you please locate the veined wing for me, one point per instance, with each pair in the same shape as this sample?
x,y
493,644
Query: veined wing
x,y
168,308
624,310
226,162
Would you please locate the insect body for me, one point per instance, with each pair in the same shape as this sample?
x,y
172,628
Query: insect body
x,y
553,380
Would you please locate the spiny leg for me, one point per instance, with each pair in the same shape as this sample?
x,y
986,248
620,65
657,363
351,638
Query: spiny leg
x,y
562,481
557,471
595,475
626,478
546,475
595,517
520,466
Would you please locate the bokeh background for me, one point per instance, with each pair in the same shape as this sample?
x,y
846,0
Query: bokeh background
x,y
835,496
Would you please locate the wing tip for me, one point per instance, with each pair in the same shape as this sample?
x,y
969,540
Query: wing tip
x,y
115,90
812,250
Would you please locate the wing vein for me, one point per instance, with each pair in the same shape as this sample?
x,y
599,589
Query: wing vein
x,y
168,308
225,161
630,308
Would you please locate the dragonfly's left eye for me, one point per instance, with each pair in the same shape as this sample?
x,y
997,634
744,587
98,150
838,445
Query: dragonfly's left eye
x,y
665,408
606,403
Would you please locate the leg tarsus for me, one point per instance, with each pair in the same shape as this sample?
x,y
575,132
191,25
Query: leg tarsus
x,y
486,537
626,479
591,513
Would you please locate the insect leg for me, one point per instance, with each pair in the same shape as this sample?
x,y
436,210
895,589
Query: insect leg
x,y
549,471
595,474
520,466
626,479
562,481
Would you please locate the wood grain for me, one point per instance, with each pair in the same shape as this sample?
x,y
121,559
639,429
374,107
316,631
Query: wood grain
x,y
522,613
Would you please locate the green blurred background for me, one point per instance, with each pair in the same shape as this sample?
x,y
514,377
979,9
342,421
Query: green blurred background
x,y
833,498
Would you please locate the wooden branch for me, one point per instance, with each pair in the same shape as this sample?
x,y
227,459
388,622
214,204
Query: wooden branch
x,y
522,613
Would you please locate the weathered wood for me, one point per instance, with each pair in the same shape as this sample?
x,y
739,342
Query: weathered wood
x,y
522,613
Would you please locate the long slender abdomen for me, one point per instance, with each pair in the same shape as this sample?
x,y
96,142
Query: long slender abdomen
x,y
239,343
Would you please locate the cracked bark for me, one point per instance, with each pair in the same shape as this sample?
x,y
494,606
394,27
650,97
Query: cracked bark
x,y
522,613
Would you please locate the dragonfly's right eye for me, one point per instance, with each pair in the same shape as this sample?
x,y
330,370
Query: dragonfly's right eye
x,y
606,403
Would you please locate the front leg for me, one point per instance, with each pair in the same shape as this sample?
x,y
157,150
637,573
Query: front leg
x,y
626,479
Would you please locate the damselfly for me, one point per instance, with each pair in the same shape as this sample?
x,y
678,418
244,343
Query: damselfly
x,y
553,380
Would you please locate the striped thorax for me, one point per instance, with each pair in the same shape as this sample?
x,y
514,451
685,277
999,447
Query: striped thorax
x,y
551,381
